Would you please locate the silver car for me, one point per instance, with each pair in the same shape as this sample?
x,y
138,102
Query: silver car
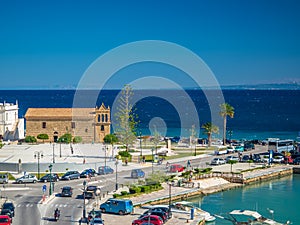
x,y
217,161
27,179
3,178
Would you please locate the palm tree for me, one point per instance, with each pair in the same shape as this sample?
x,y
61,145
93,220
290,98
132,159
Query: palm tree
x,y
226,110
209,129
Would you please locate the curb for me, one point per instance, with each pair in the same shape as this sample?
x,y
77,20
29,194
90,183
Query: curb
x,y
48,199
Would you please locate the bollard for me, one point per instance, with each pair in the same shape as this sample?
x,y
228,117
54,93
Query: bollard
x,y
192,213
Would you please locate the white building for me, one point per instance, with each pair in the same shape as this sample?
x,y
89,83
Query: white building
x,y
11,127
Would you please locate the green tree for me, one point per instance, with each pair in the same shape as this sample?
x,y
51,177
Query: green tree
x,y
231,162
226,110
110,139
210,129
77,139
126,118
193,138
30,139
43,137
156,139
66,138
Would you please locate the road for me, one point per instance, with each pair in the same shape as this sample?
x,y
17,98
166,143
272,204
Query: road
x,y
27,197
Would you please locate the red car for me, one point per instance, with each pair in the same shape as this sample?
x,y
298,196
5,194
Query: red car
x,y
176,168
155,220
5,220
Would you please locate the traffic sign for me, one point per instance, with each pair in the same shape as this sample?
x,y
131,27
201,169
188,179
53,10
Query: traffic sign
x,y
44,188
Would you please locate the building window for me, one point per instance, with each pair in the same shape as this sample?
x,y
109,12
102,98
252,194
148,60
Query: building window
x,y
44,125
73,125
99,118
86,130
102,127
106,118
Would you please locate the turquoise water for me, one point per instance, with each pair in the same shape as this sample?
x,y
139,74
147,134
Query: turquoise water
x,y
281,195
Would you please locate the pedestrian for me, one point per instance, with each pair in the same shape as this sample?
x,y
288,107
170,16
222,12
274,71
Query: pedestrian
x,y
144,159
126,162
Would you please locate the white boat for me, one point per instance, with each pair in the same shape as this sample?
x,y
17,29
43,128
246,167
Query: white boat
x,y
248,217
185,207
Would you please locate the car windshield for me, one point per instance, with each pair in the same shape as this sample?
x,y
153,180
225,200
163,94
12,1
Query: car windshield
x,y
3,220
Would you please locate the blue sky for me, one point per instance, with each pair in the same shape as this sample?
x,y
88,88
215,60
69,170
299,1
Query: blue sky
x,y
49,44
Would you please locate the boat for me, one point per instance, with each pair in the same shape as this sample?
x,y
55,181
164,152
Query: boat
x,y
249,217
185,207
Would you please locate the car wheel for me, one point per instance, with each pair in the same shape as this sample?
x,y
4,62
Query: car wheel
x,y
121,212
34,181
19,182
45,181
102,210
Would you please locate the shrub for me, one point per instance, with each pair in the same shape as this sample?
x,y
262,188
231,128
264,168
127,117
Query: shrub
x,y
145,188
124,193
30,139
116,195
43,137
66,138
134,190
124,154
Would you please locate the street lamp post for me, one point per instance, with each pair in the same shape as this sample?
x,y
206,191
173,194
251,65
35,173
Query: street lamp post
x,y
169,198
53,154
60,147
152,160
84,210
105,152
117,174
38,155
141,151
50,188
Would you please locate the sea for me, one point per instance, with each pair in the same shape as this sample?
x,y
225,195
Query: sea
x,y
259,114
276,199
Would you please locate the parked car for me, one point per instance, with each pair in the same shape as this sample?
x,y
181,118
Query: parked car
x,y
3,178
296,161
156,220
94,188
70,175
102,170
245,158
119,206
231,158
163,208
27,179
158,212
230,149
137,173
6,212
96,221
53,177
88,173
66,191
88,194
278,159
10,206
217,161
256,158
174,168
5,220
248,145
239,148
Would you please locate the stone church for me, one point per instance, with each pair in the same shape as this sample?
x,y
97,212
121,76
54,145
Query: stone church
x,y
91,124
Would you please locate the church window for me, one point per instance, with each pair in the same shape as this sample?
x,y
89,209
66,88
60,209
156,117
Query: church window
x,y
44,125
102,128
73,125
102,117
99,118
106,118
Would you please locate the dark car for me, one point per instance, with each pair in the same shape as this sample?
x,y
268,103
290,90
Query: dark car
x,y
6,212
53,177
256,158
70,175
137,173
88,173
163,215
163,208
245,158
94,189
102,170
66,191
296,161
88,195
10,206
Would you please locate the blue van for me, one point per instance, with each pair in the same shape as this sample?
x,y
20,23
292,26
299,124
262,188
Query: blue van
x,y
118,206
137,173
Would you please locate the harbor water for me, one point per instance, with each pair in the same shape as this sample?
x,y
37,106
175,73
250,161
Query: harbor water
x,y
282,196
